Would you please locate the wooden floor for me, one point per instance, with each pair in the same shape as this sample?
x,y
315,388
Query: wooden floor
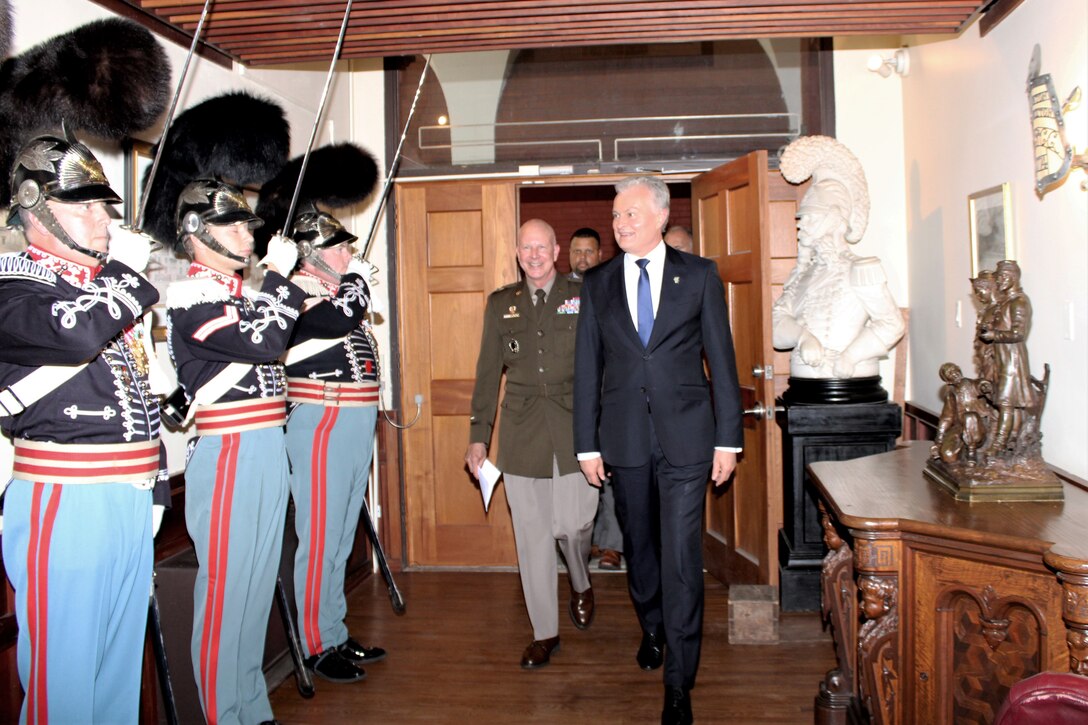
x,y
453,658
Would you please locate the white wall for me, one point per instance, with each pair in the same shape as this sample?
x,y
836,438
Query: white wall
x,y
869,122
966,128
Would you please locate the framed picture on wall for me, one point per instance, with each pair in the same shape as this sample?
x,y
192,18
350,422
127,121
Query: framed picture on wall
x,y
137,160
989,218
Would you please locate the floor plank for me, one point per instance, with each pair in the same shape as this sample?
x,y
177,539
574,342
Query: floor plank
x,y
453,658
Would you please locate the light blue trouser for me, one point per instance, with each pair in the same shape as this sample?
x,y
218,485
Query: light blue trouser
x,y
79,557
330,450
235,505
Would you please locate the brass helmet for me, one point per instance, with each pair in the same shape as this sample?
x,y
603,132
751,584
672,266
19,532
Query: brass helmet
x,y
315,230
208,201
64,170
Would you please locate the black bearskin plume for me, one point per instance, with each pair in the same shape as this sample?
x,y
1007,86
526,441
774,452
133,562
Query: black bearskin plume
x,y
236,137
338,175
109,79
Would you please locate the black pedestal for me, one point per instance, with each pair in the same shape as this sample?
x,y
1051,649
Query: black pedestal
x,y
813,433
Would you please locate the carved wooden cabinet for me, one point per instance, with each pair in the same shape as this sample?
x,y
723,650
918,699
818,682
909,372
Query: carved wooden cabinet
x,y
938,606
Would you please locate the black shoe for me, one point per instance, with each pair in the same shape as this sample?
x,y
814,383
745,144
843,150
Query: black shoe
x,y
677,707
332,666
355,652
651,653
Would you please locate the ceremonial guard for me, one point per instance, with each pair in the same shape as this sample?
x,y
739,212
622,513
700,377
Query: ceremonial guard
x,y
332,391
75,398
226,341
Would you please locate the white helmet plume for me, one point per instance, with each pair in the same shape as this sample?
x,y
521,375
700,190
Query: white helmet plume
x,y
825,159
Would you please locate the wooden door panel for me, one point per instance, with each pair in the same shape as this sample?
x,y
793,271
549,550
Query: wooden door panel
x,y
455,246
731,224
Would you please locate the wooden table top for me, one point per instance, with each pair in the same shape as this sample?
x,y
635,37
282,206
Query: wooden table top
x,y
887,492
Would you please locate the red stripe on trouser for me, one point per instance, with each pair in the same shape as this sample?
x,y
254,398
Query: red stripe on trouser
x,y
218,546
37,705
318,516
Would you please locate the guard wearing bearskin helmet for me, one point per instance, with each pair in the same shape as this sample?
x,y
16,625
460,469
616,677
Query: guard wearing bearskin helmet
x,y
332,388
76,400
225,341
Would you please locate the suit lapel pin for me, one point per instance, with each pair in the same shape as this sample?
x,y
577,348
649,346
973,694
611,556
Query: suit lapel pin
x,y
676,280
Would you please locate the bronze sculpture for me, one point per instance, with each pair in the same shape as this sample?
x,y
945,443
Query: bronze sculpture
x,y
989,444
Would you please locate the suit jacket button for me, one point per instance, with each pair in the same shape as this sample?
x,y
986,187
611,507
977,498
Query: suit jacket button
x,y
540,370
642,390
645,356
540,333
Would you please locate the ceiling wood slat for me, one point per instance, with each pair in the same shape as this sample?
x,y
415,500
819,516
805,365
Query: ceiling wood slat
x,y
276,32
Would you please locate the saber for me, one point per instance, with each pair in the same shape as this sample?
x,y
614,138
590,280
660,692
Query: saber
x,y
170,117
317,119
395,597
396,162
159,645
303,681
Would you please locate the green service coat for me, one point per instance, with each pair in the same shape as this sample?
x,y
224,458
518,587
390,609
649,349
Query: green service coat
x,y
538,358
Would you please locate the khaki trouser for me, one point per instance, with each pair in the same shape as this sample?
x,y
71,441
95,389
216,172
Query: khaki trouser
x,y
546,511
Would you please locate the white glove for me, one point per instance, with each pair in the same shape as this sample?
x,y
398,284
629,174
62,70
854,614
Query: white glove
x,y
157,510
130,247
282,255
364,268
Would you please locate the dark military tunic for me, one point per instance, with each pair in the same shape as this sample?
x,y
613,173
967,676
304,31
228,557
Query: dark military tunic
x,y
538,358
343,317
61,313
212,323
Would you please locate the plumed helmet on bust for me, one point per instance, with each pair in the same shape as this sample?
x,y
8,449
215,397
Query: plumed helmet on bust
x,y
210,202
62,170
837,178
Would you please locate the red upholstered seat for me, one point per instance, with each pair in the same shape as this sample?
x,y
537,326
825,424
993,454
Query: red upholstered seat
x,y
1049,698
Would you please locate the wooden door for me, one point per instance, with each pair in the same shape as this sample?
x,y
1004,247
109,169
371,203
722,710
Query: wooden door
x,y
743,218
455,244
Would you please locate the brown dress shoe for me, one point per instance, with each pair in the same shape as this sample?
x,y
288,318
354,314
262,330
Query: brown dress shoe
x,y
581,608
539,652
610,559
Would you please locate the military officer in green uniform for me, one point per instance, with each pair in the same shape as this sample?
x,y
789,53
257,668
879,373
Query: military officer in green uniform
x,y
529,332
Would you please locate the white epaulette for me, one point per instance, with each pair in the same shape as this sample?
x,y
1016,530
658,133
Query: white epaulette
x,y
186,293
16,265
311,286
866,272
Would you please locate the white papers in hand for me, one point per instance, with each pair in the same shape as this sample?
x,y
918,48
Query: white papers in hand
x,y
489,478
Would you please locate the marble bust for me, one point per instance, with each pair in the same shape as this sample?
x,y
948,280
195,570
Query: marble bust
x,y
835,313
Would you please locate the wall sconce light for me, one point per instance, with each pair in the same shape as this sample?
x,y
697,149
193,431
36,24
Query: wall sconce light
x,y
898,62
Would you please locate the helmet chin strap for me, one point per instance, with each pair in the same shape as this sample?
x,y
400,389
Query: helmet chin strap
x,y
319,262
44,214
213,244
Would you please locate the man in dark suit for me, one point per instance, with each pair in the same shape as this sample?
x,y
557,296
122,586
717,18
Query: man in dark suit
x,y
644,406
529,333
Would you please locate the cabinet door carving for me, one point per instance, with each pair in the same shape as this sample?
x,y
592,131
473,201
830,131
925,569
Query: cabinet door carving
x,y
980,627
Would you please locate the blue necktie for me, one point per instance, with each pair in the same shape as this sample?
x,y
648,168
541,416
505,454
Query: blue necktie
x,y
645,303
